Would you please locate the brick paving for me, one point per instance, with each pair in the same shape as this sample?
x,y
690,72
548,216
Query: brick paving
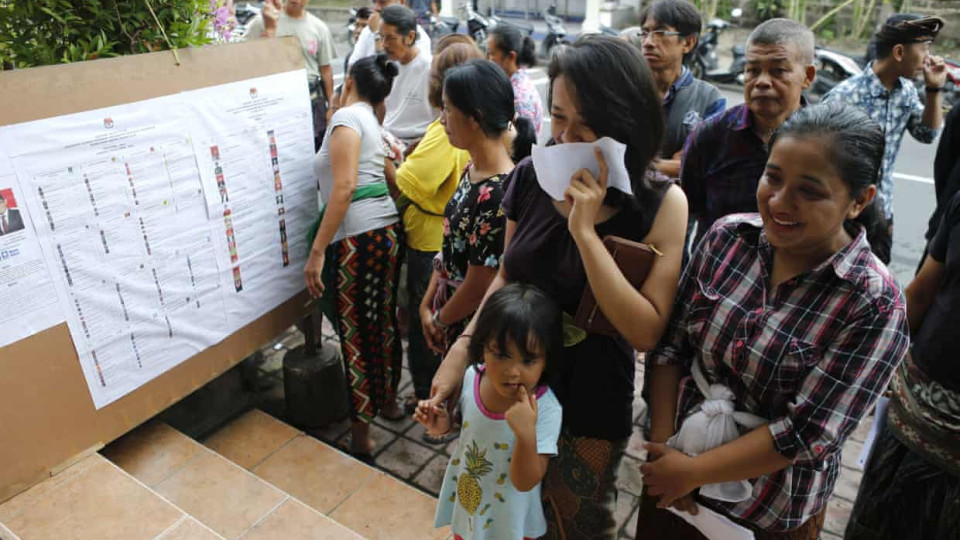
x,y
401,452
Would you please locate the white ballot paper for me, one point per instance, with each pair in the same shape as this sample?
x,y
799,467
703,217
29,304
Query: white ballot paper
x,y
715,526
27,293
555,165
117,205
253,141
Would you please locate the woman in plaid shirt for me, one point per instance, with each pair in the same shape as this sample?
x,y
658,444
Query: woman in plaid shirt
x,y
798,321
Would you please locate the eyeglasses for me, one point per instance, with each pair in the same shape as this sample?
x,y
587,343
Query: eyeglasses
x,y
386,39
657,35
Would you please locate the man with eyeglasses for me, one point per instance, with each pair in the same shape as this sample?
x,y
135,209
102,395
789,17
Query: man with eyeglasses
x,y
668,33
408,109
723,159
368,42
885,91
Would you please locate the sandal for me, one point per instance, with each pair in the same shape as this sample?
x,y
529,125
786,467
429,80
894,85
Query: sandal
x,y
442,439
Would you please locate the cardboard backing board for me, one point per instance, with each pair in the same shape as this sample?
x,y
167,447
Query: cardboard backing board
x,y
47,417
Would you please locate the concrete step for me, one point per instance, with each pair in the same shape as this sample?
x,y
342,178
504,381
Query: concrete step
x,y
364,499
255,479
96,500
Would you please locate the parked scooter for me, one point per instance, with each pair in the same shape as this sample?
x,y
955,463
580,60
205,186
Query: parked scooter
x,y
525,28
441,25
705,64
833,67
477,25
244,14
352,27
556,31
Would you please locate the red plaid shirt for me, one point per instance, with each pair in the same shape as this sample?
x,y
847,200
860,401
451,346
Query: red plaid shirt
x,y
811,356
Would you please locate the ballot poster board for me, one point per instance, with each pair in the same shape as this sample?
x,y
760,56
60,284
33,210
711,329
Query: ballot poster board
x,y
157,213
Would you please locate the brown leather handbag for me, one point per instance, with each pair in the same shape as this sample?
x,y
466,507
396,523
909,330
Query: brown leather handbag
x,y
635,260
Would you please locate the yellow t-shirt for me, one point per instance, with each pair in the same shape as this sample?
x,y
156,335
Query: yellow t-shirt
x,y
429,176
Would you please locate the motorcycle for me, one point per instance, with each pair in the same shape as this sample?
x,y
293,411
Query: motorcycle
x,y
477,26
440,25
833,67
705,64
352,27
495,20
244,15
556,31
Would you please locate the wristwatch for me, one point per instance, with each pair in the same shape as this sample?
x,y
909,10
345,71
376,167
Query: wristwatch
x,y
436,320
934,89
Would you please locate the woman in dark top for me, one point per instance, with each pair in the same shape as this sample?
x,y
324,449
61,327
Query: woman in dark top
x,y
600,88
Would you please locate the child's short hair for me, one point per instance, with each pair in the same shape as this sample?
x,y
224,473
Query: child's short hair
x,y
527,317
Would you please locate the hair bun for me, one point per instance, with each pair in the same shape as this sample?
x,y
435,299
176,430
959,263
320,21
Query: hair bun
x,y
386,66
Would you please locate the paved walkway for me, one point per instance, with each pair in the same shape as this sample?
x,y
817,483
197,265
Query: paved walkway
x,y
401,452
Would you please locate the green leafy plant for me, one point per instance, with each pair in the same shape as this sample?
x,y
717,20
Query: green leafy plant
x,y
42,32
767,9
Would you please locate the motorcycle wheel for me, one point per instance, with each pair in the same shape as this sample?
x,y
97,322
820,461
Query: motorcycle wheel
x,y
697,70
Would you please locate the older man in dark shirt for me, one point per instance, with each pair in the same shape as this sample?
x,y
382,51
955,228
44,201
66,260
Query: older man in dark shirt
x,y
723,159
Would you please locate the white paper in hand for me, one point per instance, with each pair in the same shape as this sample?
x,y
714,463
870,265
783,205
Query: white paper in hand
x,y
556,164
715,526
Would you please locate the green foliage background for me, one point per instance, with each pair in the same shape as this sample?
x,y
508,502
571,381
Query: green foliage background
x,y
42,32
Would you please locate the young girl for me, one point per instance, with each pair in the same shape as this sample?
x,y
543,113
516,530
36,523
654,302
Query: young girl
x,y
510,420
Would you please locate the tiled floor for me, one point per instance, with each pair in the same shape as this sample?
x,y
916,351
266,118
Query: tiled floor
x,y
260,479
401,453
93,499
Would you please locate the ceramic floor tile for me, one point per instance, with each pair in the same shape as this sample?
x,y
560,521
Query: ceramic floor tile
x,y
152,452
635,447
295,521
626,504
403,513
396,426
404,458
314,473
838,514
430,479
848,484
628,477
7,534
863,429
29,498
189,529
220,495
630,526
851,452
248,440
99,503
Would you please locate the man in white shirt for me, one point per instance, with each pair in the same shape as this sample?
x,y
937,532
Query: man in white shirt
x,y
408,109
367,44
10,219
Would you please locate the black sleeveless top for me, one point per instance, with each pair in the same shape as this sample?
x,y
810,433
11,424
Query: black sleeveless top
x,y
596,380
